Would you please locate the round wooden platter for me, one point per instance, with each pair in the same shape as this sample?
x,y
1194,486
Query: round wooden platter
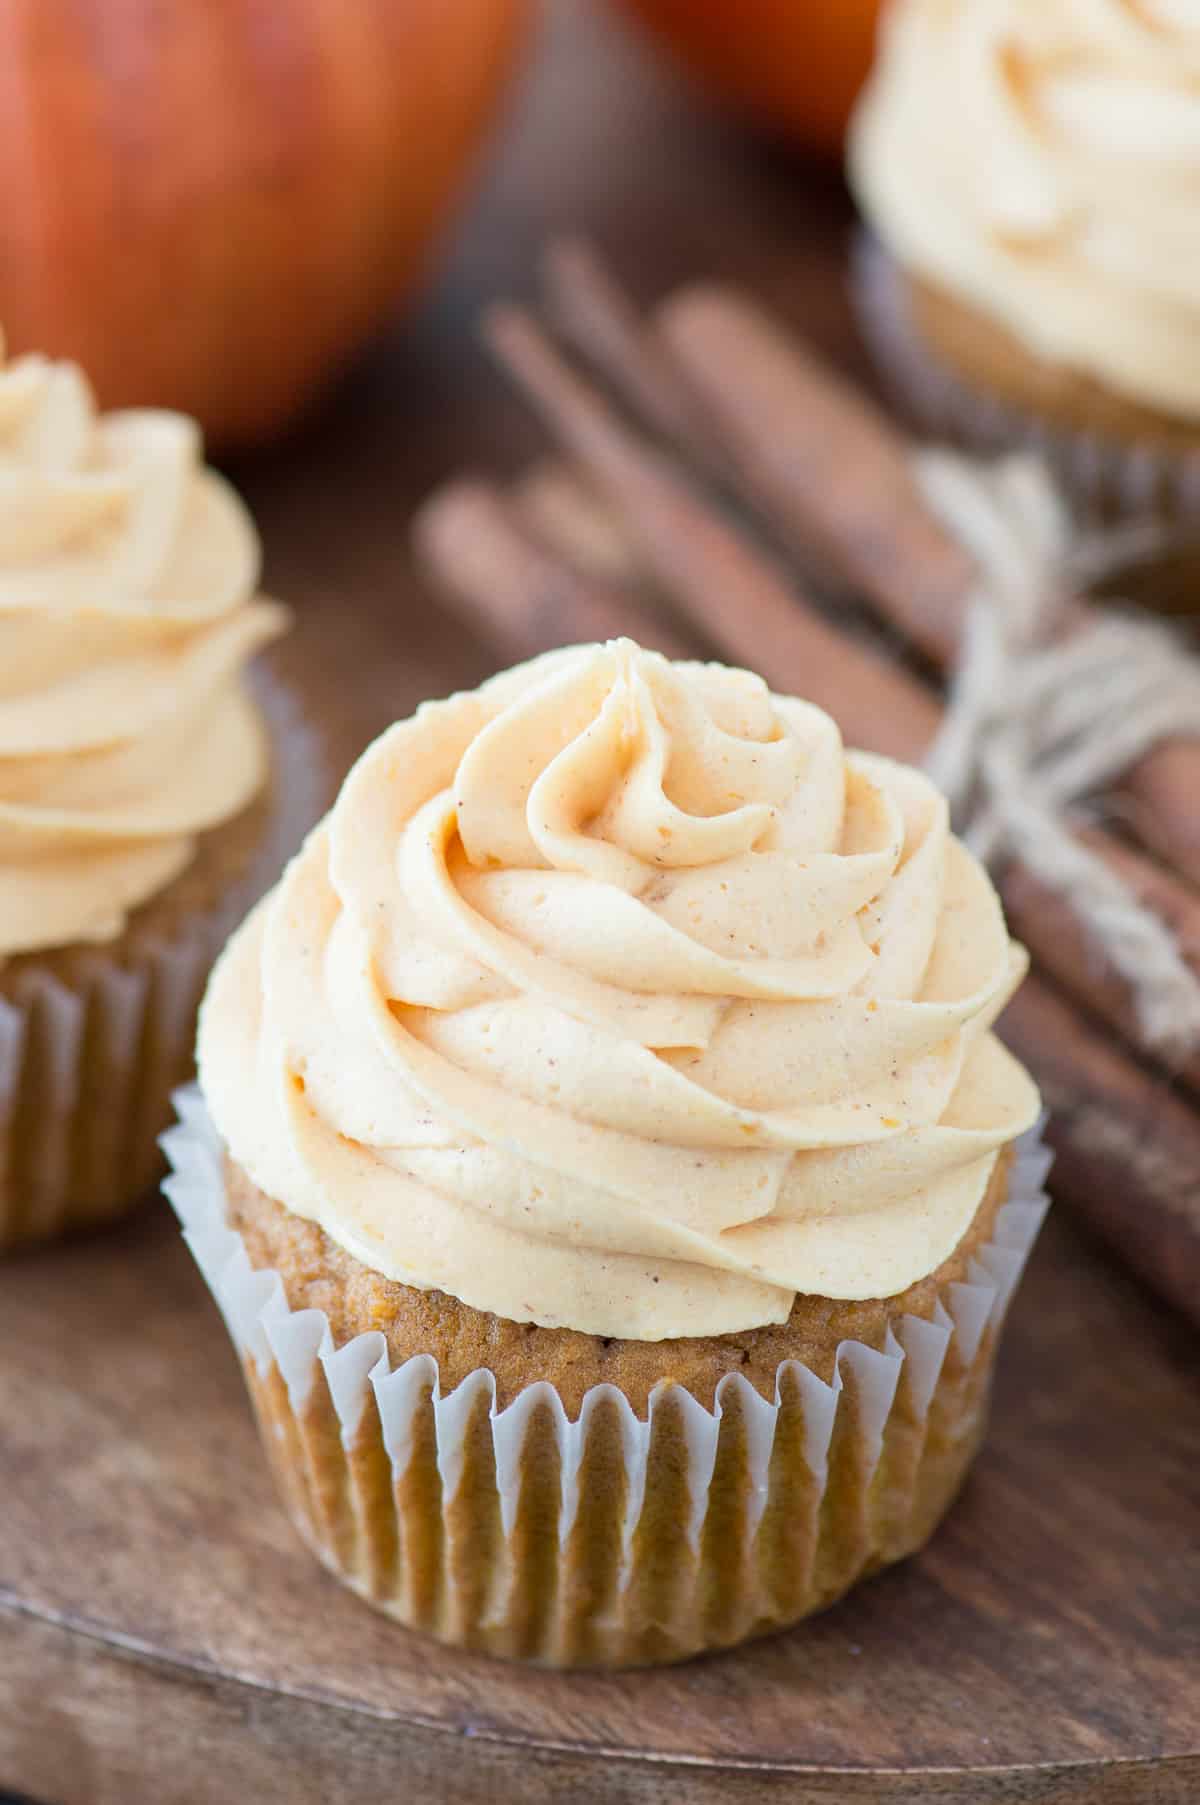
x,y
164,1637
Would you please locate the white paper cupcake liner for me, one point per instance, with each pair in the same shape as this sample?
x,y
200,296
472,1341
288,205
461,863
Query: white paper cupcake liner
x,y
1106,479
523,1532
88,1064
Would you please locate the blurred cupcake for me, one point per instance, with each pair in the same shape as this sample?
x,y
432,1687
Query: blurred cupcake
x,y
603,1163
1031,174
145,799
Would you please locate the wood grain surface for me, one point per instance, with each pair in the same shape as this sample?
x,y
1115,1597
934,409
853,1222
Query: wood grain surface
x,y
163,1636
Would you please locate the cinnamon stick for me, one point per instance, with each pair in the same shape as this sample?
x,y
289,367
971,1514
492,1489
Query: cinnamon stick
x,y
592,309
1045,921
1127,1148
1128,1151
746,608
565,511
505,582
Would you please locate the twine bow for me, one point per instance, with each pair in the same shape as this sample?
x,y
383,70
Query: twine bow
x,y
1037,723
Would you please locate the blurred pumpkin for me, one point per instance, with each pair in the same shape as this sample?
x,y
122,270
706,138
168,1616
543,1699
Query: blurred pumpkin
x,y
210,203
795,64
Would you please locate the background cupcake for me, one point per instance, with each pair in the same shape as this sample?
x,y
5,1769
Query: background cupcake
x,y
145,798
605,1182
1032,176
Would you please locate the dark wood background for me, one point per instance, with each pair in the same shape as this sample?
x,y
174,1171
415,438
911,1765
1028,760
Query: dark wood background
x,y
163,1637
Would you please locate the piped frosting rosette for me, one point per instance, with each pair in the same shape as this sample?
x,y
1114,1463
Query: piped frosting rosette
x,y
617,995
127,612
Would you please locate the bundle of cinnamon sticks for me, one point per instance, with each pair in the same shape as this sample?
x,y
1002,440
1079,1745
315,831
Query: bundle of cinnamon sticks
x,y
709,465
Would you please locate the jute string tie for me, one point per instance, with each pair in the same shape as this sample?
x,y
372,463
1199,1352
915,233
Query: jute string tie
x,y
1038,722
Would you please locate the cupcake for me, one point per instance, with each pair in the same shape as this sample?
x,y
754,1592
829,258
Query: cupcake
x,y
605,1165
1031,174
145,800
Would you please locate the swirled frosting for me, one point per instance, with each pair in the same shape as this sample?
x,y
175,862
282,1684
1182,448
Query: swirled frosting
x,y
127,611
1043,162
617,995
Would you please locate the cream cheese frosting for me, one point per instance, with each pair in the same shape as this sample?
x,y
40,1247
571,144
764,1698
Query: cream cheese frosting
x,y
617,995
1043,162
128,573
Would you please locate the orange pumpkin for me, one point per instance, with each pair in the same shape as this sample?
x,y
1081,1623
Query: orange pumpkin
x,y
795,64
210,203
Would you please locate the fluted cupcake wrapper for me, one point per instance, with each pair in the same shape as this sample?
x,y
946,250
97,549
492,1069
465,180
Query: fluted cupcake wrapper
x,y
1106,478
88,1064
606,1540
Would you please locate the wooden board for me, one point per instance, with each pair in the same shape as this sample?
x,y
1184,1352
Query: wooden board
x,y
164,1638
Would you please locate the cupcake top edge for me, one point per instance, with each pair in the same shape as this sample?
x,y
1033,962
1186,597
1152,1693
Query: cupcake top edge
x,y
618,995
129,608
1042,163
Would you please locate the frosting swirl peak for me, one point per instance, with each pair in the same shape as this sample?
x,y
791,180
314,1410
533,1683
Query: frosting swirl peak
x,y
617,995
127,611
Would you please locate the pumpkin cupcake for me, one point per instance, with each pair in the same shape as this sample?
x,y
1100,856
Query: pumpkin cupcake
x,y
145,799
603,1162
1031,174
